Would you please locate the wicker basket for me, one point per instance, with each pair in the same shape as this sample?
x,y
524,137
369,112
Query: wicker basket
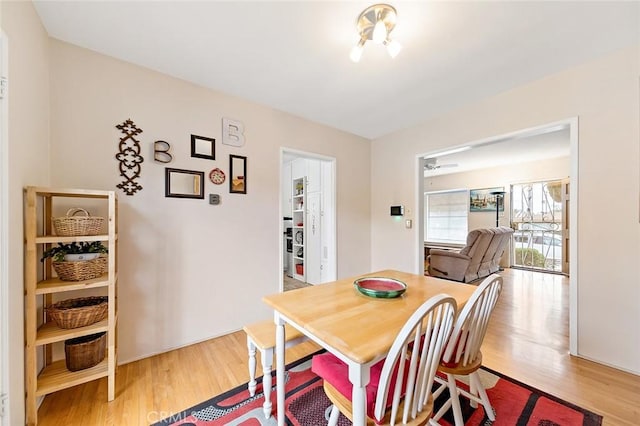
x,y
80,312
85,352
81,269
72,225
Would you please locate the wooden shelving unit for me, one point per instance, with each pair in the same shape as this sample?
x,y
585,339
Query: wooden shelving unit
x,y
41,285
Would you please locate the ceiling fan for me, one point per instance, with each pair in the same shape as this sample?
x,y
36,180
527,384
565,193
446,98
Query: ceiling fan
x,y
432,164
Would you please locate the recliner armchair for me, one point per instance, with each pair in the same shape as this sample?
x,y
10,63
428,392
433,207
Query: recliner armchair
x,y
478,259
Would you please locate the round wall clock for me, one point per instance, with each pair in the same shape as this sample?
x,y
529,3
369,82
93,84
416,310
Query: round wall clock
x,y
216,176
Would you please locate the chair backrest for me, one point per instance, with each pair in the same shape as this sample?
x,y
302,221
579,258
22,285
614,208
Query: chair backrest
x,y
471,325
409,369
504,242
478,241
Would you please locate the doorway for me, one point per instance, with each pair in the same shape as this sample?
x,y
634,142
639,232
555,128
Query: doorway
x,y
308,225
570,200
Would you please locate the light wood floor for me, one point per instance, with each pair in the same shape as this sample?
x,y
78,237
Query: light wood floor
x,y
527,340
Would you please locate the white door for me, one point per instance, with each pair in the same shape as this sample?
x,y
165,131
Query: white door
x,y
313,244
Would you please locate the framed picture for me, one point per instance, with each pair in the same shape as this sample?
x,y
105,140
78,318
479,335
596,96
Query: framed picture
x,y
237,174
202,147
484,200
180,183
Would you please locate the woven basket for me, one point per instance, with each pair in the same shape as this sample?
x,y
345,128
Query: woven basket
x,y
80,312
81,270
72,225
85,352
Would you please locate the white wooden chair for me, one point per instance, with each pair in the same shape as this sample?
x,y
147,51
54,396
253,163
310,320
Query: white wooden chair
x,y
462,356
403,392
262,336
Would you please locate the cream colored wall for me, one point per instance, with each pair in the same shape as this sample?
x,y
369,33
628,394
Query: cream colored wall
x,y
189,271
28,152
604,95
501,176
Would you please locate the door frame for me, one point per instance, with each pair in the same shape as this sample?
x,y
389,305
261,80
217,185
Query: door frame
x,y
4,234
332,255
570,123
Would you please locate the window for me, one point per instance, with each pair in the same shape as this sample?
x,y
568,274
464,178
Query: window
x,y
445,216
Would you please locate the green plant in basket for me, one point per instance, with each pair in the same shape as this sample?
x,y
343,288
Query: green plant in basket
x,y
58,253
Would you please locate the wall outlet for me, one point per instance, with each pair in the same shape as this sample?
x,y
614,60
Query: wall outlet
x,y
214,199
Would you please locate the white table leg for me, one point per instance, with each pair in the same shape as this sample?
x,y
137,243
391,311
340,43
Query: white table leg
x,y
359,377
280,385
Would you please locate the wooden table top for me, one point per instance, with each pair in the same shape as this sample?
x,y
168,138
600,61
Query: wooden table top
x,y
360,327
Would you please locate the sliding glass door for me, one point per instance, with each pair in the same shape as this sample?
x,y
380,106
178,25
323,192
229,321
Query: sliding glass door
x,y
537,217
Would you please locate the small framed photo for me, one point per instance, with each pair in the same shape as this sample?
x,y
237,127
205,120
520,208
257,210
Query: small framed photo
x,y
484,200
203,147
237,174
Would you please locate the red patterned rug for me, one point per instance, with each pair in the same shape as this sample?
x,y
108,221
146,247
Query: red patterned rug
x,y
514,403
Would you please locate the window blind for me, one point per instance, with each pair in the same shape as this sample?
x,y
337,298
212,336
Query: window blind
x,y
446,216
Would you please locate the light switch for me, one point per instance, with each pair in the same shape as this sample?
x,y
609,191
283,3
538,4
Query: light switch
x,y
214,199
408,223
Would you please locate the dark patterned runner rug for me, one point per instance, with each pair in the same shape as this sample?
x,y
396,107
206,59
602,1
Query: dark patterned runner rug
x,y
514,403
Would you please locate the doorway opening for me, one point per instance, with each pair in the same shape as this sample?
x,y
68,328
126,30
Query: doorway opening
x,y
425,162
308,225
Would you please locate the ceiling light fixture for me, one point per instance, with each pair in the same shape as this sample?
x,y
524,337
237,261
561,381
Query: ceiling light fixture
x,y
375,23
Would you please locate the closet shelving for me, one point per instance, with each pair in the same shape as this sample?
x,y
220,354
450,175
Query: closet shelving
x,y
299,205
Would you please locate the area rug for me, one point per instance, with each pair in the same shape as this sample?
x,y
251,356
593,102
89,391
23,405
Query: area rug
x,y
514,403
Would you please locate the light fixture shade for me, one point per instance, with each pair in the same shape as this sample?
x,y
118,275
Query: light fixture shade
x,y
393,48
356,53
379,33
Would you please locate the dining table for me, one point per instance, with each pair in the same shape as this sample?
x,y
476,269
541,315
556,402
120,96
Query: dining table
x,y
356,327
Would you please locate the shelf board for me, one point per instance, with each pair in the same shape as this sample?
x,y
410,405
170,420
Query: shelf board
x,y
49,332
298,258
55,376
56,285
70,192
58,239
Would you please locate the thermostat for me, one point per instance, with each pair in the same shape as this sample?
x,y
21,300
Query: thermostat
x,y
397,210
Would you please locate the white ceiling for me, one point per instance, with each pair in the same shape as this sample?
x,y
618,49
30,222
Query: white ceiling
x,y
294,56
541,145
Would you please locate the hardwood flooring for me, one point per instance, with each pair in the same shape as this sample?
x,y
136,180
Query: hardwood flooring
x,y
527,340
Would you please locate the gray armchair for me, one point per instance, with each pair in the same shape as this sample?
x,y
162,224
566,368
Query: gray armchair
x,y
478,259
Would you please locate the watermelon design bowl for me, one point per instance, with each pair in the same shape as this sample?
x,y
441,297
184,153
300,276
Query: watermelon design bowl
x,y
380,287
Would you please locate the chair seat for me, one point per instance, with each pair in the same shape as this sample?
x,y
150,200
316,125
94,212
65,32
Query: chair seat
x,y
332,370
459,370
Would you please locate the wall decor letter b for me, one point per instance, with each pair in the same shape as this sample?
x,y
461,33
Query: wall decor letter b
x,y
232,132
161,152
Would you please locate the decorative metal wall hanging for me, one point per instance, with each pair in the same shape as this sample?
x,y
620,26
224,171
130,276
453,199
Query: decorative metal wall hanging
x,y
129,157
